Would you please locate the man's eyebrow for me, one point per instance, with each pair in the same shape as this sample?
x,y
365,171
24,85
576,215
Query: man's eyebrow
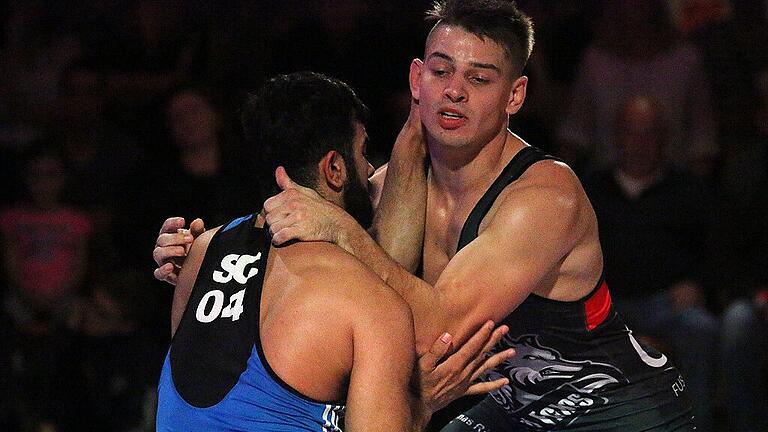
x,y
478,65
490,66
441,55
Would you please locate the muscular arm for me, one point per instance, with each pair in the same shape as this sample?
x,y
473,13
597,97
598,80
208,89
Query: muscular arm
x,y
378,398
524,242
398,226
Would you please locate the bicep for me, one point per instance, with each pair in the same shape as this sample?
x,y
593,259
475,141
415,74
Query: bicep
x,y
493,274
378,396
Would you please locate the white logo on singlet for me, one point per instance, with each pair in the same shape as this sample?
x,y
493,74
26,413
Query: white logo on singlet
x,y
647,359
234,267
211,305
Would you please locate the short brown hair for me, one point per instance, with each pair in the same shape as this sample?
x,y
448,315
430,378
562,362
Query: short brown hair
x,y
499,20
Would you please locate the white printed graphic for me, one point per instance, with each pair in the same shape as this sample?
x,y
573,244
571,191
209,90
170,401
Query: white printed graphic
x,y
235,306
233,310
647,359
234,267
547,390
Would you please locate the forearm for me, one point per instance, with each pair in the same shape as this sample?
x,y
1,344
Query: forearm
x,y
398,225
425,301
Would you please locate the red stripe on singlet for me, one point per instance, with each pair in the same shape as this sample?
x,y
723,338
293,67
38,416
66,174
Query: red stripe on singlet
x,y
598,306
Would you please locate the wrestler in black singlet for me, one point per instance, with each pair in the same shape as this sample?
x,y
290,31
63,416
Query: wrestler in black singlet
x,y
577,367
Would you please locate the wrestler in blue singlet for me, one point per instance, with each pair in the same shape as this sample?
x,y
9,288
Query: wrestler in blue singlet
x,y
215,376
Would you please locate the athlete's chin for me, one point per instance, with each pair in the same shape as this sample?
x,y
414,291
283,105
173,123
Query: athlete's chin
x,y
451,138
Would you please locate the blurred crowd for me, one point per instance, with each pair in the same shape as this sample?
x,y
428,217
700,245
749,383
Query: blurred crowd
x,y
117,114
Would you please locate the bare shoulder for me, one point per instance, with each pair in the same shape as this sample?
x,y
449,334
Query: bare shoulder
x,y
547,185
335,274
546,201
552,179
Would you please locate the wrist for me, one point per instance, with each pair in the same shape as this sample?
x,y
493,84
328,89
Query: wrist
x,y
411,139
346,232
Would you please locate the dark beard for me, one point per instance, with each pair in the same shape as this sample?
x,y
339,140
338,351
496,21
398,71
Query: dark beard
x,y
356,200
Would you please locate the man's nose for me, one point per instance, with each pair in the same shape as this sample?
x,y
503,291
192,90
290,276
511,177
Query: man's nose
x,y
454,91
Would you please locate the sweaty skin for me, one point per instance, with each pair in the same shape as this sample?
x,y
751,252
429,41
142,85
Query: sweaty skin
x,y
539,237
364,333
440,379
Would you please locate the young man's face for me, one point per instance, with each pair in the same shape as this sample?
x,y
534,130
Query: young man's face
x,y
464,88
356,200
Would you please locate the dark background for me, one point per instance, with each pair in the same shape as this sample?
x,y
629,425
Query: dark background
x,y
92,83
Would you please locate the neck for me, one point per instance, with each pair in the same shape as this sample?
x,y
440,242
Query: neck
x,y
457,171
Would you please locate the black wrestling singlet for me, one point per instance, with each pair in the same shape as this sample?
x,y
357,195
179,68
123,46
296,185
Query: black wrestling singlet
x,y
578,367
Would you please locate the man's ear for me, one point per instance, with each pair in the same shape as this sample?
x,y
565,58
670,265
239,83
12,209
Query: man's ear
x,y
517,95
333,171
414,77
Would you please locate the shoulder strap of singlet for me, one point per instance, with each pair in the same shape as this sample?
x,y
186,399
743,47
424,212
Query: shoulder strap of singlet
x,y
514,169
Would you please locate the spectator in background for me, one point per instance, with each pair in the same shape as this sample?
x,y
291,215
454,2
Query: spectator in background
x,y
142,49
36,48
653,222
205,180
636,51
104,166
45,244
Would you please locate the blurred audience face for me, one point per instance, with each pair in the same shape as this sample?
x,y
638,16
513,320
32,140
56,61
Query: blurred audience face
x,y
45,177
82,98
640,137
193,121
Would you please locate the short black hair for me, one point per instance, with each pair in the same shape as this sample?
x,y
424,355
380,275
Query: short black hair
x,y
296,119
499,20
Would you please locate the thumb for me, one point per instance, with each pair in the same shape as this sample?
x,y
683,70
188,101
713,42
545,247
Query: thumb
x,y
197,227
283,180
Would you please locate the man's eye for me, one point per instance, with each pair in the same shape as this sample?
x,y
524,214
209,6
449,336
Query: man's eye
x,y
479,80
439,72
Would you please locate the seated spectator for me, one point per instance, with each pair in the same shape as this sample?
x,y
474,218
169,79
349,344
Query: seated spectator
x,y
204,163
45,244
637,52
653,224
